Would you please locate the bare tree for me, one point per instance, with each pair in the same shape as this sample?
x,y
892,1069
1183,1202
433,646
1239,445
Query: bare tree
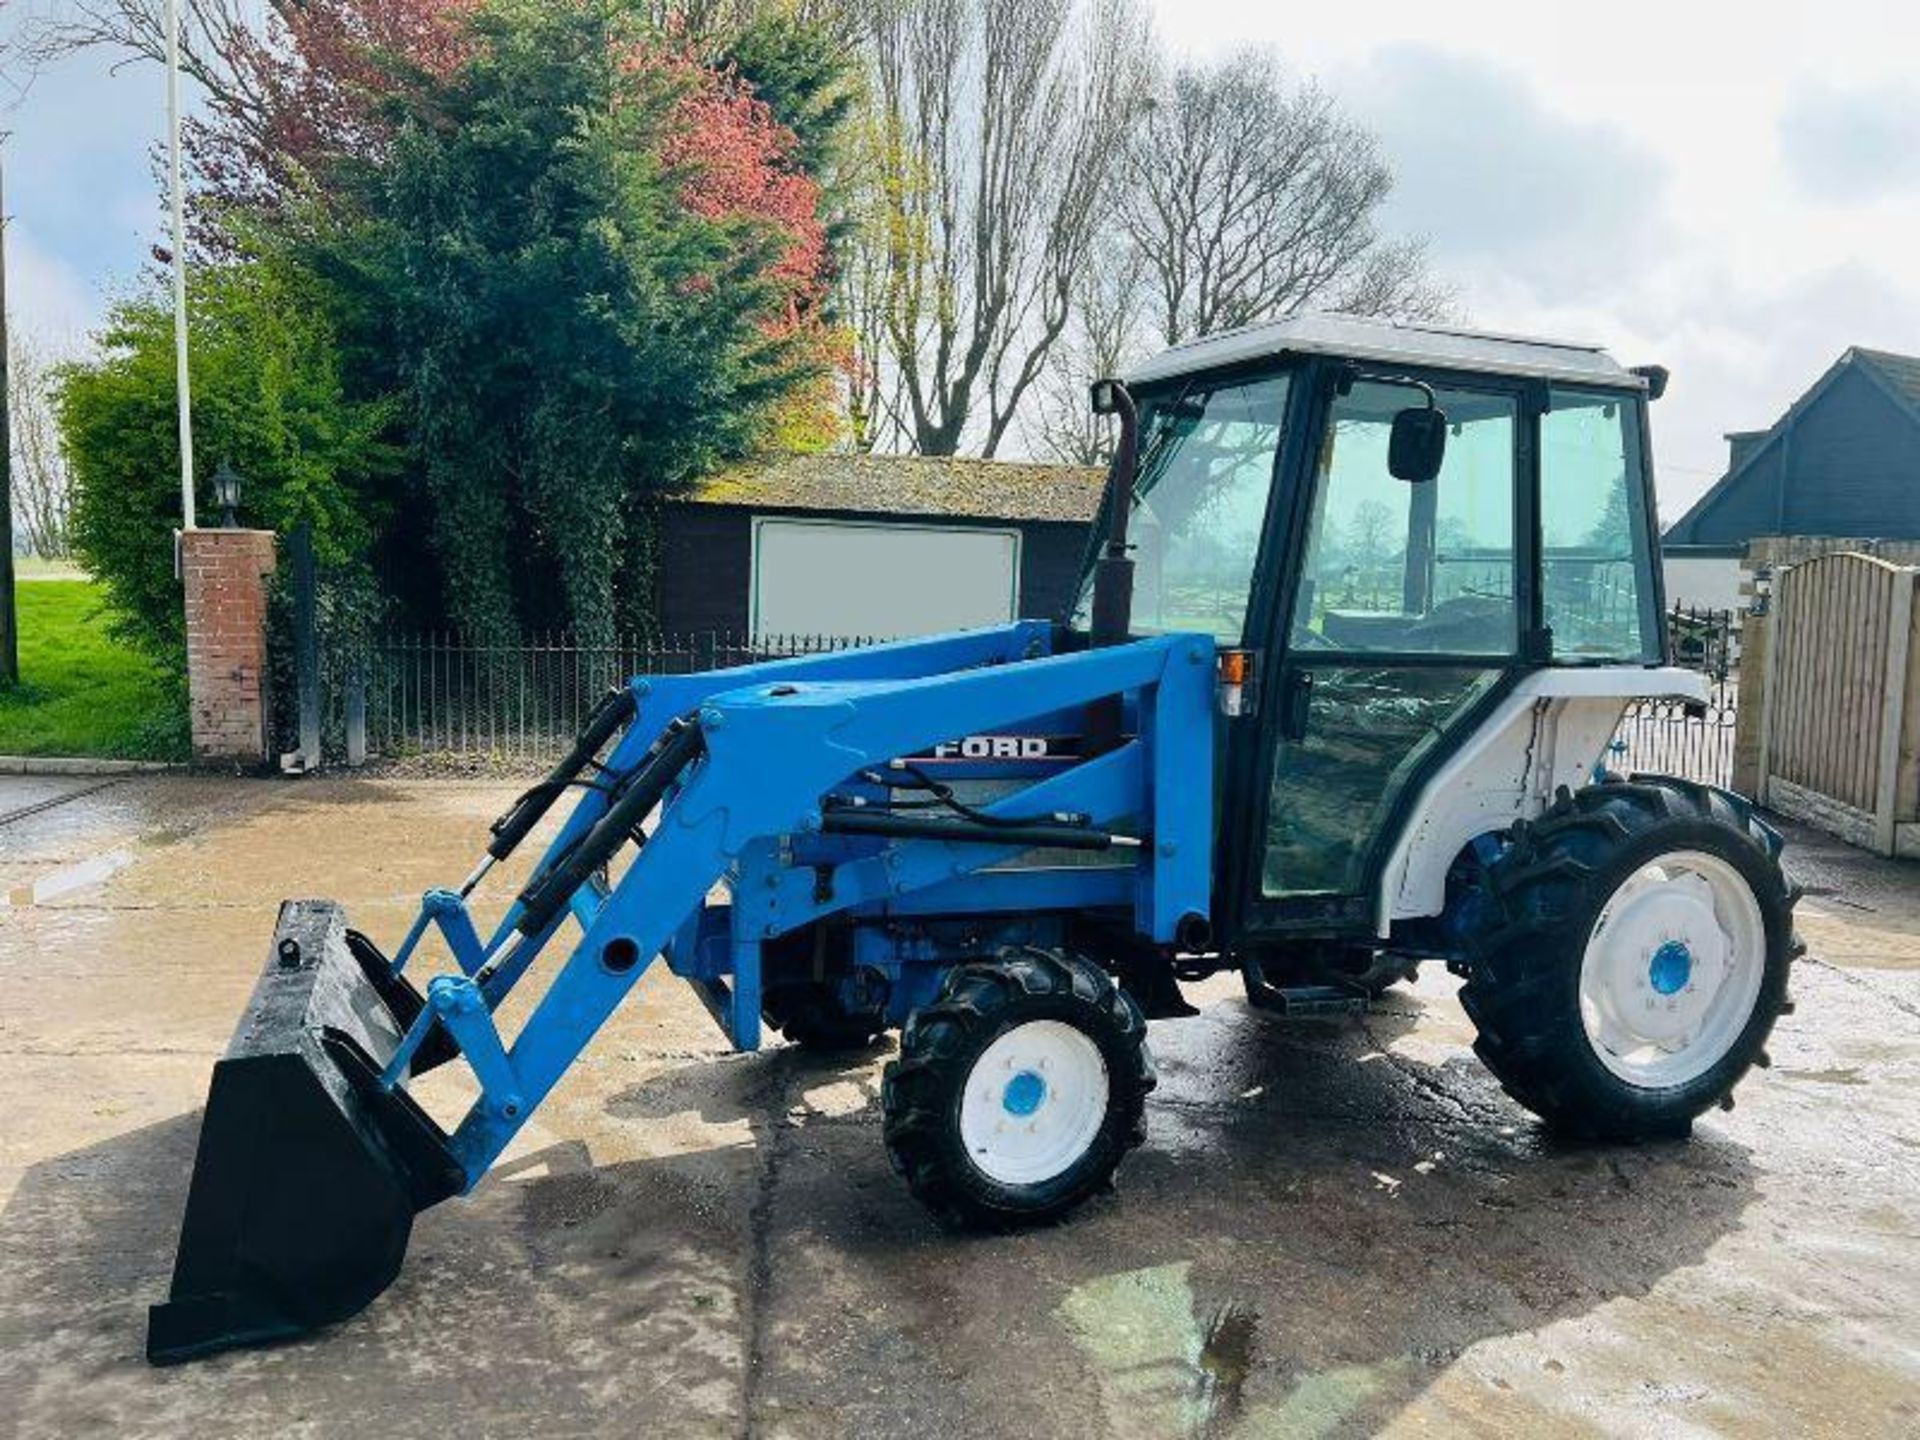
x,y
876,409
1249,199
1099,340
994,150
41,498
216,39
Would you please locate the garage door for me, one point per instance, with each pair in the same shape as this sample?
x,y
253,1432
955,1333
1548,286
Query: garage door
x,y
849,580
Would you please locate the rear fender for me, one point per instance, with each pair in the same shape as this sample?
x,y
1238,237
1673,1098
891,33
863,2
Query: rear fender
x,y
1551,730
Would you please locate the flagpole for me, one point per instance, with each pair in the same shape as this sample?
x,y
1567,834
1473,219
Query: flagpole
x,y
9,615
179,266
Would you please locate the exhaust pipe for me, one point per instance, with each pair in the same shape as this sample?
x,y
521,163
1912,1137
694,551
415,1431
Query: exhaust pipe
x,y
1113,571
1112,618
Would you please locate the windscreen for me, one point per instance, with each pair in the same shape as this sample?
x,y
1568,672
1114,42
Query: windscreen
x,y
1200,505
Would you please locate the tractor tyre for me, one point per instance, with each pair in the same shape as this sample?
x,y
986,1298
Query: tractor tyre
x,y
814,1017
1018,1090
1631,957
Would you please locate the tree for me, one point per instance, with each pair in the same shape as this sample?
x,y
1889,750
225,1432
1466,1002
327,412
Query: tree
x,y
1373,531
214,36
1247,199
41,502
273,71
564,245
806,71
1101,337
990,159
268,398
593,271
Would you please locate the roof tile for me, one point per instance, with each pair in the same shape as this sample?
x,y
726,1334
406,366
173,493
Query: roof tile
x,y
1902,372
907,485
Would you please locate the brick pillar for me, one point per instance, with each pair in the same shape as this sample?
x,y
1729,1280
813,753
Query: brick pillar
x,y
226,583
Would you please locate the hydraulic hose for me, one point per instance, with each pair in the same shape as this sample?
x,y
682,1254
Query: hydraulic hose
x,y
613,712
915,827
679,744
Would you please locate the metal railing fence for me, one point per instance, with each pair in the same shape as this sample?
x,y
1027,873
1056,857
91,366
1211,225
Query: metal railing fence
x,y
436,692
439,693
1667,737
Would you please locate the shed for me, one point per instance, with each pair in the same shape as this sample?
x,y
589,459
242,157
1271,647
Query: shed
x,y
878,546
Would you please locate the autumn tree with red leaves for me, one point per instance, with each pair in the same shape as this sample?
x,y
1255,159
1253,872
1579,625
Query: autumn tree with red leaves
x,y
590,266
567,248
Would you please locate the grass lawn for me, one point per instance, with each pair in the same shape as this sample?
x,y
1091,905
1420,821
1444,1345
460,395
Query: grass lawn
x,y
81,692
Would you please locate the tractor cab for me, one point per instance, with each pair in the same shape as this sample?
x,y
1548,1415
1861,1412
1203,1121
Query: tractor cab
x,y
1386,528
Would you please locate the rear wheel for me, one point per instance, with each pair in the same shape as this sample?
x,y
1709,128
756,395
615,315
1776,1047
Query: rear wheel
x,y
1634,957
1018,1091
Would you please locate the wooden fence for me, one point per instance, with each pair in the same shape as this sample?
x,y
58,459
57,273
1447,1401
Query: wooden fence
x,y
1840,720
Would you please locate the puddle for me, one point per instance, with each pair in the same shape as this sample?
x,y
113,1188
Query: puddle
x,y
1837,1075
91,871
1226,1358
1163,1371
1158,1374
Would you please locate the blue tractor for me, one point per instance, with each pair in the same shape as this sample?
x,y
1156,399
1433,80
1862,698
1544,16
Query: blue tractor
x,y
1363,609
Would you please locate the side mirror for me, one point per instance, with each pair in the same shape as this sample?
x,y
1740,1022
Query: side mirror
x,y
1417,445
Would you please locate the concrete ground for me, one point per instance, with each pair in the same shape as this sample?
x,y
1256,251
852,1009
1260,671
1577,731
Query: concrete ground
x,y
1333,1227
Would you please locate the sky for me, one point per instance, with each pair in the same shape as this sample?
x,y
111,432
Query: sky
x,y
1730,190
81,201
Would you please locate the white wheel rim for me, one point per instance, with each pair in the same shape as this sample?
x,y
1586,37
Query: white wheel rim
x,y
1673,969
1035,1100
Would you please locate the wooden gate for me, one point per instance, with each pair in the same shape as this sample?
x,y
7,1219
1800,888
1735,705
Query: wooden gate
x,y
1840,725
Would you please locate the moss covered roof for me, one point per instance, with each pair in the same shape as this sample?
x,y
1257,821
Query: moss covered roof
x,y
907,485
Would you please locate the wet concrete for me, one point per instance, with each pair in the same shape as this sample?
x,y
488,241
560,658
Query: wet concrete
x,y
1333,1228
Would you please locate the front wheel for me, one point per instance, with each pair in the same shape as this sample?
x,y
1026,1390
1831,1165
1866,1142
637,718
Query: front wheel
x,y
1018,1091
1634,957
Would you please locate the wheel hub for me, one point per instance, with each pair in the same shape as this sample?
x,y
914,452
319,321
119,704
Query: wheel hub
x,y
1672,969
1025,1093
1034,1102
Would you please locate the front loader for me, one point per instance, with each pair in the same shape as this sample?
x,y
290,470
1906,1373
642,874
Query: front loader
x,y
1365,605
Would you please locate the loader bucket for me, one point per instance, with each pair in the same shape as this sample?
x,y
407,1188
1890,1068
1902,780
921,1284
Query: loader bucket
x,y
308,1174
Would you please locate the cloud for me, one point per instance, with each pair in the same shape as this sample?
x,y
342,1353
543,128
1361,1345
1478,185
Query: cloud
x,y
80,187
1497,182
1742,353
46,296
1852,146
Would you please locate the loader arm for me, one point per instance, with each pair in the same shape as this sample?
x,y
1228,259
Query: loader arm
x,y
771,749
717,780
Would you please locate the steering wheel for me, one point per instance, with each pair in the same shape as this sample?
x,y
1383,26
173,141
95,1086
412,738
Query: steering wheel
x,y
1463,617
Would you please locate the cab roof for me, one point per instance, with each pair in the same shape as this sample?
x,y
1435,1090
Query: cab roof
x,y
1392,342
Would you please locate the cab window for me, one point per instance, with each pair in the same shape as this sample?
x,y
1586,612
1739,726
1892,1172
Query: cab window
x,y
1391,566
1593,531
1201,506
